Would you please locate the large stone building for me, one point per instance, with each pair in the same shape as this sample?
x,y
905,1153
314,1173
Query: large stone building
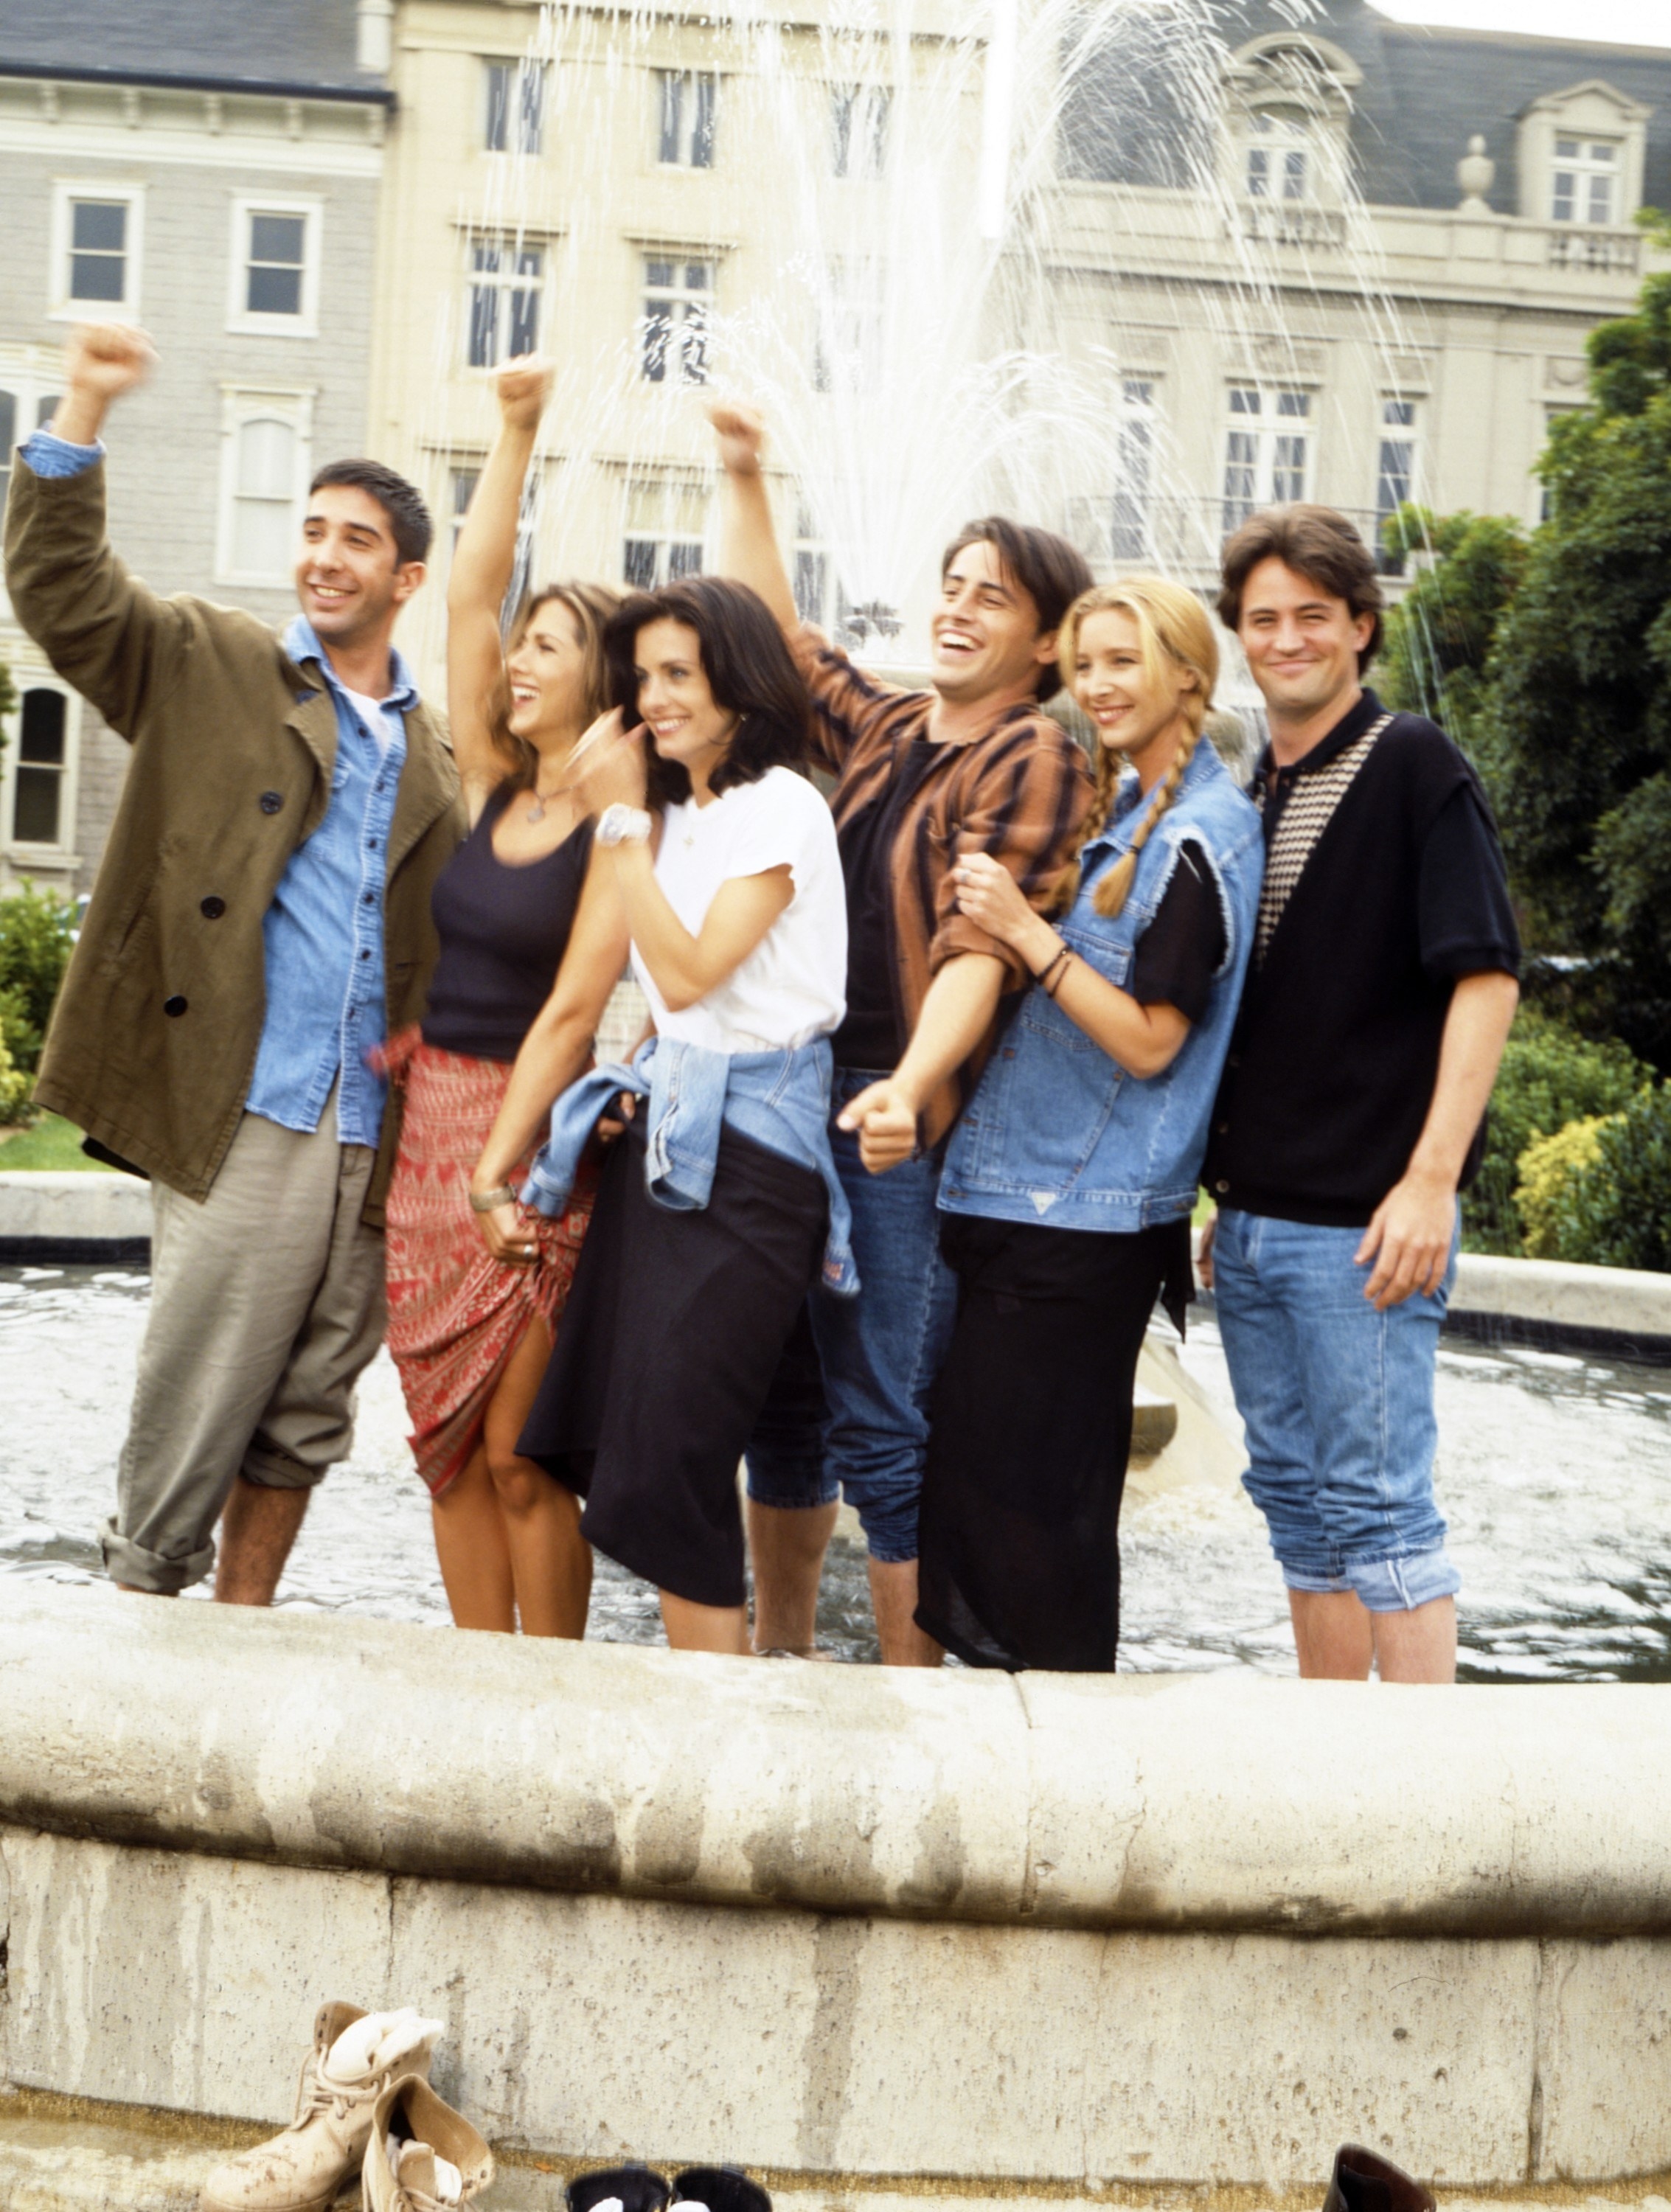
x,y
1354,262
209,169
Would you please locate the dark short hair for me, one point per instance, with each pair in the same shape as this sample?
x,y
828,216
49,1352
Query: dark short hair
x,y
750,669
1051,572
408,518
1315,542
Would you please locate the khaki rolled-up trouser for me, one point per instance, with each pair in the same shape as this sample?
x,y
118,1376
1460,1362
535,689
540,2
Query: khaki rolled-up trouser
x,y
266,1305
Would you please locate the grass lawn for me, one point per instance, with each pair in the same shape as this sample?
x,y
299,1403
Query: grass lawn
x,y
51,1143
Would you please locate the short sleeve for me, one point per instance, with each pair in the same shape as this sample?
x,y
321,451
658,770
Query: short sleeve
x,y
1465,916
1184,946
778,821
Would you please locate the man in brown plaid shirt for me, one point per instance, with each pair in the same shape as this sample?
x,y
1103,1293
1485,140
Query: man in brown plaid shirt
x,y
972,765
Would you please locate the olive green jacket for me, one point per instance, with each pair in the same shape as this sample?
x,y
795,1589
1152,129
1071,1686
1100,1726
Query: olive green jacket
x,y
152,1045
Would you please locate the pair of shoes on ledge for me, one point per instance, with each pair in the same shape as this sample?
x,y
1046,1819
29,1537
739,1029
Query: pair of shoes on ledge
x,y
634,2188
1362,2182
364,2105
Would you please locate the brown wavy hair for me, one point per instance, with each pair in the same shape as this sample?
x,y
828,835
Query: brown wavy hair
x,y
592,606
1172,625
1315,542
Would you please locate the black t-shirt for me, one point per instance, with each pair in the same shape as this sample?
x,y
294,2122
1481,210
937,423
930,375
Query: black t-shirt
x,y
1332,1067
1178,954
870,1036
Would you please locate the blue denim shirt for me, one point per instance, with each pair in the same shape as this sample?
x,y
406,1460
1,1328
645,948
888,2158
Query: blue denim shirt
x,y
326,991
1057,1132
324,931
779,1099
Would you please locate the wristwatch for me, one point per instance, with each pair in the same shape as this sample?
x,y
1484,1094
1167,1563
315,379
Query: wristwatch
x,y
624,825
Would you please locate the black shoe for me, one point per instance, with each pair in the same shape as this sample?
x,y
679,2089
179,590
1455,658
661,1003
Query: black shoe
x,y
1364,2183
639,2189
722,2189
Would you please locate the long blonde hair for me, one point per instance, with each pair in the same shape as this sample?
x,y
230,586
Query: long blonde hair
x,y
1172,625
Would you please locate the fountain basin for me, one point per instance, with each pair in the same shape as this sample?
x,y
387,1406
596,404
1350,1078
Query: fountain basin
x,y
841,1924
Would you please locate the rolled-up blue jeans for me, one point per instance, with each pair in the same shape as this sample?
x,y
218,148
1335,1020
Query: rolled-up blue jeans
x,y
1338,1403
866,1435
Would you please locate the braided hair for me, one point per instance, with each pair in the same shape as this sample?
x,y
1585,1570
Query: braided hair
x,y
1172,626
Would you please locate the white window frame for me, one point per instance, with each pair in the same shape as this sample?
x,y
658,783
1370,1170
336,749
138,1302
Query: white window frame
x,y
504,282
1266,427
686,147
522,71
33,376
240,404
1131,505
464,473
665,533
687,354
27,852
860,127
245,207
1586,171
1279,161
61,308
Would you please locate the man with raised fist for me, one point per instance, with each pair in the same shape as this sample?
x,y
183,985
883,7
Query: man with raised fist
x,y
260,921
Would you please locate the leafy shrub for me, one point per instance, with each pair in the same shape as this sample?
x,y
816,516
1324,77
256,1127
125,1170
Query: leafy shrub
x,y
1549,1168
13,1090
1618,1215
1551,1075
37,932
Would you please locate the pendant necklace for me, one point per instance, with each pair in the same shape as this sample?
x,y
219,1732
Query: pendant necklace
x,y
537,811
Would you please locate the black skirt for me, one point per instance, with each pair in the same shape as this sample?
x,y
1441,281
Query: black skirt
x,y
1029,1433
664,1356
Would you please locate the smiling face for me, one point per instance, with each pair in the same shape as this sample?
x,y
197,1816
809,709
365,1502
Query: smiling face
x,y
984,632
1134,704
349,578
686,722
548,675
1301,643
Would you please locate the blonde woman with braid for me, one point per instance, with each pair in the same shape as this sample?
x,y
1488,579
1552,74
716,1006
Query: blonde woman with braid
x,y
1070,1181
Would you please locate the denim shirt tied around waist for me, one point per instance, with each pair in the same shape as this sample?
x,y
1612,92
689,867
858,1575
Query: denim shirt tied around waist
x,y
779,1099
1058,1132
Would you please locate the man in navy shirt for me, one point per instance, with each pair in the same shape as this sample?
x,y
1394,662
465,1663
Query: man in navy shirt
x,y
1351,1110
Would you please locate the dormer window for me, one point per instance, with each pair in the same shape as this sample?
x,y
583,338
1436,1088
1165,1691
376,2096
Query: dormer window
x,y
1279,166
1586,181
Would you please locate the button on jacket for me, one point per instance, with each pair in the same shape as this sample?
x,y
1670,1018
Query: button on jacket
x,y
1058,1132
154,1041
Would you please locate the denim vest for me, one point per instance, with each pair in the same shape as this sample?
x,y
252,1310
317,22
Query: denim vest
x,y
780,1099
1059,1133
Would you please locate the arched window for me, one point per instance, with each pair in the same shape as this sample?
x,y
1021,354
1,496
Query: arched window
x,y
264,504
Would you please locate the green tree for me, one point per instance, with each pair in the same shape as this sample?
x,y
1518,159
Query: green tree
x,y
1439,636
37,936
1574,732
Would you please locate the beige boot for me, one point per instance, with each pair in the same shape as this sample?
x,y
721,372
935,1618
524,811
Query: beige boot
x,y
422,2155
302,2169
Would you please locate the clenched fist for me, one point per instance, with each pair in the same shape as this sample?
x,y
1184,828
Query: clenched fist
x,y
102,361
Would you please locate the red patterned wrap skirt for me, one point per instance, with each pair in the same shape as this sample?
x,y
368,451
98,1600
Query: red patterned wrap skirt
x,y
456,1313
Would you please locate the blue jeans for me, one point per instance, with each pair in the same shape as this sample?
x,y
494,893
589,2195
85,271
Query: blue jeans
x,y
865,1433
1338,1402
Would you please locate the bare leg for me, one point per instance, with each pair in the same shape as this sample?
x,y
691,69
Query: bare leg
x,y
1418,1646
473,1550
787,1544
551,1561
259,1525
704,1627
1332,1635
894,1602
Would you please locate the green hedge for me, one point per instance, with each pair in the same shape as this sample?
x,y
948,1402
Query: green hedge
x,y
1551,1075
37,934
1607,1203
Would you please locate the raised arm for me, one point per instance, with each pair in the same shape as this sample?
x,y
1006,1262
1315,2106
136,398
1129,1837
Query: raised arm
x,y
103,630
749,551
483,561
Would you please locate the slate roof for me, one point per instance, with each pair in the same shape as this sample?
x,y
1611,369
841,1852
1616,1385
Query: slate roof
x,y
1424,93
300,44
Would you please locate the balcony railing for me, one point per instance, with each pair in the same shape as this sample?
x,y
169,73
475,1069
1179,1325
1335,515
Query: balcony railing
x,y
1611,252
1292,222
1183,533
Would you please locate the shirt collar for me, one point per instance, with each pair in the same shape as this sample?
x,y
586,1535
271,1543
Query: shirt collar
x,y
302,645
1347,732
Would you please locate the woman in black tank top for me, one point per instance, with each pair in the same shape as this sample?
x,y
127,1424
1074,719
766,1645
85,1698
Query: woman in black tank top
x,y
532,940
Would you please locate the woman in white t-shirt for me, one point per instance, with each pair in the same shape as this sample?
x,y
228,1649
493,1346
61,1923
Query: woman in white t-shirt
x,y
681,1305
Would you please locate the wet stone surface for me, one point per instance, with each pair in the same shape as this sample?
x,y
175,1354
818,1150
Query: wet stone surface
x,y
1555,1475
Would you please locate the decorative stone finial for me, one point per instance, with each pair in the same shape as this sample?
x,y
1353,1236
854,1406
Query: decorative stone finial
x,y
1475,174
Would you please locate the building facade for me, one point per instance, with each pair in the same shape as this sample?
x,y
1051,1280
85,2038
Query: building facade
x,y
210,172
